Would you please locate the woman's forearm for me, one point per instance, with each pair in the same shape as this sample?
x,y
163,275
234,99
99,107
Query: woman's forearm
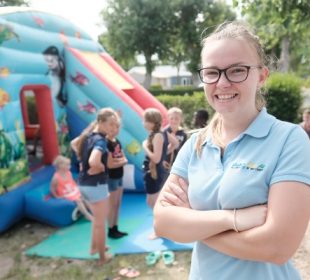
x,y
187,225
279,237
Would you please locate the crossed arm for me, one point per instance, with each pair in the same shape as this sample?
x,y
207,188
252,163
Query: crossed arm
x,y
272,238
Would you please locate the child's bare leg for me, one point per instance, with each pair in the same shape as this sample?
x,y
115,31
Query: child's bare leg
x,y
151,200
84,211
99,210
119,195
112,210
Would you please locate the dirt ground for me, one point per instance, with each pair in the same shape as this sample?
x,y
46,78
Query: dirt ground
x,y
15,265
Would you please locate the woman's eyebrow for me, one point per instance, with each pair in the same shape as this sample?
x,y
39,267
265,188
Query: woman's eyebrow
x,y
231,65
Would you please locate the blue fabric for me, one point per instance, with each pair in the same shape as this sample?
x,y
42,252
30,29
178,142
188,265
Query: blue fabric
x,y
94,194
92,142
152,185
269,151
115,184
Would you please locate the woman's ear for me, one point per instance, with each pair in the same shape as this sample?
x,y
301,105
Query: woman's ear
x,y
264,73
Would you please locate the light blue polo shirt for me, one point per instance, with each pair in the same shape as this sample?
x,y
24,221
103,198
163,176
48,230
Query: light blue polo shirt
x,y
267,152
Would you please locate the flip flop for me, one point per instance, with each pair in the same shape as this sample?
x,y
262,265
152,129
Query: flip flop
x,y
129,272
168,257
152,258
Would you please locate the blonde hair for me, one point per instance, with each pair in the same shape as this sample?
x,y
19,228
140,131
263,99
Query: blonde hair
x,y
154,116
306,112
231,30
59,160
102,116
175,110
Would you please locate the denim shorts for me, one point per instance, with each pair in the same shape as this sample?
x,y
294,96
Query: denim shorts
x,y
95,193
115,184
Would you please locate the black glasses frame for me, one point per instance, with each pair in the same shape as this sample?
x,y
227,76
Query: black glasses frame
x,y
248,67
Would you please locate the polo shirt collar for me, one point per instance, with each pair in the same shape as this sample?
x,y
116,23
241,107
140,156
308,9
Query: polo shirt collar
x,y
259,128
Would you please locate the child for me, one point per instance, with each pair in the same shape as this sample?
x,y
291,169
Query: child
x,y
64,186
200,118
116,161
175,135
155,151
306,121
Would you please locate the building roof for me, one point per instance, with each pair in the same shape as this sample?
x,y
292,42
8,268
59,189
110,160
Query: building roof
x,y
162,71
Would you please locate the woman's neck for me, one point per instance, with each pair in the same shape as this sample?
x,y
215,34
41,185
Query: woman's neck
x,y
232,127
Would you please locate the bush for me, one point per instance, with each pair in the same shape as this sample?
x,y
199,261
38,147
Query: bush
x,y
157,87
188,103
284,97
177,91
306,83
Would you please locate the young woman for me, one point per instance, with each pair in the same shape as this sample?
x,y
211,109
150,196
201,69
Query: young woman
x,y
223,175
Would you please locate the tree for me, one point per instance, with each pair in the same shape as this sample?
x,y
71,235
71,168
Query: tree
x,y
4,3
138,27
278,22
171,30
194,19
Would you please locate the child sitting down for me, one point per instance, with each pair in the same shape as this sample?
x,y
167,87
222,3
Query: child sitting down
x,y
64,186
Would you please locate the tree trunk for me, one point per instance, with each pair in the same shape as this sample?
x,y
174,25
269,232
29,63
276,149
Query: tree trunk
x,y
147,80
149,66
284,62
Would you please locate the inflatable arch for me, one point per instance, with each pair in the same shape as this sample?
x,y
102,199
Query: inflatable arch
x,y
69,76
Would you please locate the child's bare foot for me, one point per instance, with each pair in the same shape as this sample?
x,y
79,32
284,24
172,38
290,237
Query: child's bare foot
x,y
152,236
107,258
94,251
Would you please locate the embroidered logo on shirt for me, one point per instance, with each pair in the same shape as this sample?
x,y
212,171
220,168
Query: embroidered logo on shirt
x,y
250,166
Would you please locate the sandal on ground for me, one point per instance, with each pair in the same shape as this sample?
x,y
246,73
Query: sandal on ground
x,y
152,258
168,257
129,272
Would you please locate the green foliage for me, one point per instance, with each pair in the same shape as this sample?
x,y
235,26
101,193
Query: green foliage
x,y
284,27
14,3
177,91
137,27
306,83
188,103
284,97
170,30
157,87
192,19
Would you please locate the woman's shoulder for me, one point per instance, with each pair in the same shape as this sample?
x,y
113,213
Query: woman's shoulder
x,y
289,130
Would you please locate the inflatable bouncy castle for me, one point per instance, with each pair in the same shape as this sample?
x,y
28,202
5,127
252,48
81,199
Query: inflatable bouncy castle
x,y
47,59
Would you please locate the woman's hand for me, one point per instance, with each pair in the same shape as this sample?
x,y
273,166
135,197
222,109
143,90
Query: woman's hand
x,y
250,217
176,194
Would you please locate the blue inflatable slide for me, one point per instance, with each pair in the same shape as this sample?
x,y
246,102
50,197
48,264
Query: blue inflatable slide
x,y
48,61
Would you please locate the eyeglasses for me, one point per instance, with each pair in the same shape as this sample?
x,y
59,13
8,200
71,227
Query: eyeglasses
x,y
234,74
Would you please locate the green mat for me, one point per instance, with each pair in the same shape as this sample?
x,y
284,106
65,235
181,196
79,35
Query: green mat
x,y
135,218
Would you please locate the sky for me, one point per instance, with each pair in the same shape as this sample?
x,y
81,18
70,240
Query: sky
x,y
83,13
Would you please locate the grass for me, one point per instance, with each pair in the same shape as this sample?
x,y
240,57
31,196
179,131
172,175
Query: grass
x,y
28,233
14,265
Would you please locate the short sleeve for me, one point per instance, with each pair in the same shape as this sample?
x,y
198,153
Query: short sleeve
x,y
101,145
181,163
294,160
